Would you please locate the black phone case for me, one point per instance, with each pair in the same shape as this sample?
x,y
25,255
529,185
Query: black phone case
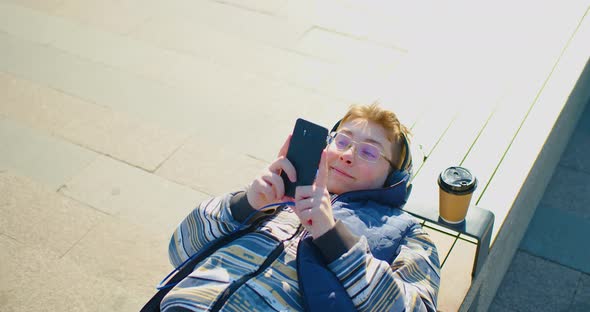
x,y
305,151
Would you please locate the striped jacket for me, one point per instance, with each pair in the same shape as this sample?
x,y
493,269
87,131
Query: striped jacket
x,y
257,271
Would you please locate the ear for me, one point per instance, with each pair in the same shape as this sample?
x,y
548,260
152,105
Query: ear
x,y
405,171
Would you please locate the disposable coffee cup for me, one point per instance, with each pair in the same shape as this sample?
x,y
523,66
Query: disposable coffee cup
x,y
456,186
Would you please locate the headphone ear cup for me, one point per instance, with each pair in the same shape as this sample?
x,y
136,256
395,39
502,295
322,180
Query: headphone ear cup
x,y
397,176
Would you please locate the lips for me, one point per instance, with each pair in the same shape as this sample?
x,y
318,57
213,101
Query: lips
x,y
341,173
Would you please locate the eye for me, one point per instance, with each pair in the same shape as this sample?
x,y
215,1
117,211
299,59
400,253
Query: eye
x,y
342,141
369,152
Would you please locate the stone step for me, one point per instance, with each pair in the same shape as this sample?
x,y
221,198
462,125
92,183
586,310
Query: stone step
x,y
94,127
44,158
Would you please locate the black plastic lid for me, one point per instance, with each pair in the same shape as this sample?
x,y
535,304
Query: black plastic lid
x,y
457,180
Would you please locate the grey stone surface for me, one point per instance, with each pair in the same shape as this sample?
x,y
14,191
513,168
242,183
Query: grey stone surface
x,y
101,84
96,127
122,18
134,195
555,234
46,6
41,107
496,306
34,279
40,218
196,165
535,284
128,139
581,302
12,14
124,253
44,158
576,154
569,191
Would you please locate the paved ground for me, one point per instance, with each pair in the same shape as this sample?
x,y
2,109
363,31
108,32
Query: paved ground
x,y
551,269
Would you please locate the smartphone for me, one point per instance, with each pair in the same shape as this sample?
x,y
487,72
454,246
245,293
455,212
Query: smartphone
x,y
305,150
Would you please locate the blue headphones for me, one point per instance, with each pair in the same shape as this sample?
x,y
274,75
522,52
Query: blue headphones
x,y
397,175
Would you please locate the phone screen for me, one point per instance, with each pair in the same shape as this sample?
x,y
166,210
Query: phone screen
x,y
305,150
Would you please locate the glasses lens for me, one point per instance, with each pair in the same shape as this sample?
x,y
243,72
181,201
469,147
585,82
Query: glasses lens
x,y
342,141
368,152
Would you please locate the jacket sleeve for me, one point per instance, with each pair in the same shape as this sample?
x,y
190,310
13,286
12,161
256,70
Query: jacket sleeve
x,y
410,283
212,219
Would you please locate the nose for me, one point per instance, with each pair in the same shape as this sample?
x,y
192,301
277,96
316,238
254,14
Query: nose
x,y
347,155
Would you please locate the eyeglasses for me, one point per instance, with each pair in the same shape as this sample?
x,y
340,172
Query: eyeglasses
x,y
364,150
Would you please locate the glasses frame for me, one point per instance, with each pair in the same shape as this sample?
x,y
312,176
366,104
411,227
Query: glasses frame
x,y
332,139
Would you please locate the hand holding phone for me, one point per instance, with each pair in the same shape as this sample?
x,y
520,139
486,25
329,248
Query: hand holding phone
x,y
305,150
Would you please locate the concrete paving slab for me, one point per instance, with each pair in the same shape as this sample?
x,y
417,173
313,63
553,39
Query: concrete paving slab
x,y
255,20
456,276
497,306
100,84
39,27
210,85
34,279
46,6
340,48
553,290
124,253
43,158
123,16
132,194
569,191
555,234
40,107
576,154
89,125
262,6
196,164
184,34
125,138
581,301
40,218
187,35
387,23
119,51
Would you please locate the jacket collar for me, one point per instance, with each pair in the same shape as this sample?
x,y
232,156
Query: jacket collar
x,y
394,196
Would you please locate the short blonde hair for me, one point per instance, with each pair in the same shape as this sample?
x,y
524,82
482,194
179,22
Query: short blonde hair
x,y
394,129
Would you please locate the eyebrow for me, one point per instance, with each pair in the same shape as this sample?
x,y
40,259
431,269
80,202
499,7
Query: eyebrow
x,y
368,140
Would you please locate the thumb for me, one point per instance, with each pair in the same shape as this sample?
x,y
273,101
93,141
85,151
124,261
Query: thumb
x,y
321,180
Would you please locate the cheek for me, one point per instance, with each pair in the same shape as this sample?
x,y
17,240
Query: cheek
x,y
373,176
331,156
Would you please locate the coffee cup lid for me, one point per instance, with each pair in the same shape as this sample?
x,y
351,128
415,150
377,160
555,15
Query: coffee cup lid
x,y
457,180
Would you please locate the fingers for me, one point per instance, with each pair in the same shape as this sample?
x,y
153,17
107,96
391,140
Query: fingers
x,y
276,182
307,197
282,164
304,208
321,180
264,189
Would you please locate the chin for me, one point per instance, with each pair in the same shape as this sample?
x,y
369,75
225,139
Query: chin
x,y
339,188
335,189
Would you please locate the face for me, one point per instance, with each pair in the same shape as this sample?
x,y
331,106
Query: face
x,y
347,171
